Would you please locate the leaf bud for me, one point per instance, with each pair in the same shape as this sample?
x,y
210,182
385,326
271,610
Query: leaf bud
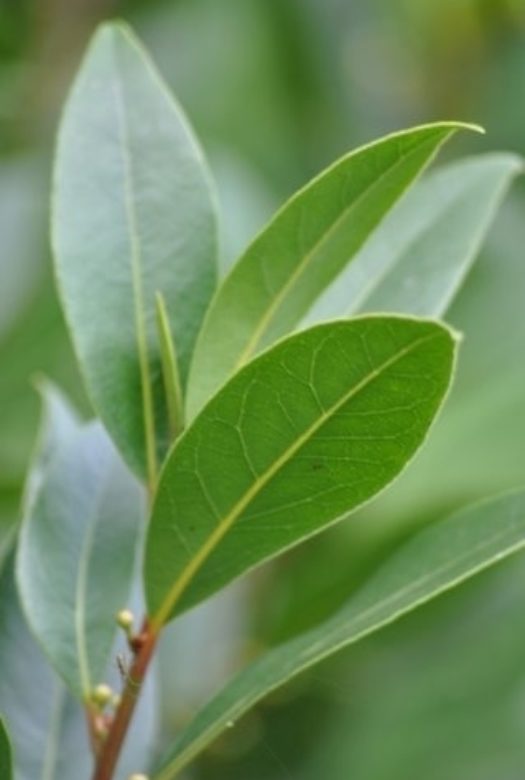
x,y
101,694
125,619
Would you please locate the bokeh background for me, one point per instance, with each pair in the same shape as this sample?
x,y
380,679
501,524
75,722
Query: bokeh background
x,y
276,89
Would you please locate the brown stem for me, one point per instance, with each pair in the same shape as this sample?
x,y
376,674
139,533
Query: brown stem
x,y
111,749
91,719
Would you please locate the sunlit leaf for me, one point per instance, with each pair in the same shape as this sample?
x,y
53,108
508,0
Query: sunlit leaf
x,y
305,433
302,250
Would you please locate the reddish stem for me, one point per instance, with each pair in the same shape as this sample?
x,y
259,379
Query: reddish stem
x,y
110,751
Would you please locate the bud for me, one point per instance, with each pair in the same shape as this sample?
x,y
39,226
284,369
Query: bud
x,y
115,701
125,619
138,777
101,695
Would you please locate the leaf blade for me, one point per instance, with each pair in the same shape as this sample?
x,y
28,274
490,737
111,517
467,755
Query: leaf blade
x,y
417,259
419,571
6,757
305,246
118,239
47,726
78,545
303,434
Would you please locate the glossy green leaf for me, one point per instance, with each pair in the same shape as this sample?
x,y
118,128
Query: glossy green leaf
x,y
6,758
305,433
47,726
433,561
132,216
417,259
302,250
77,554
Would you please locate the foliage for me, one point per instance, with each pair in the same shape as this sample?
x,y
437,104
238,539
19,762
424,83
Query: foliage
x,y
238,417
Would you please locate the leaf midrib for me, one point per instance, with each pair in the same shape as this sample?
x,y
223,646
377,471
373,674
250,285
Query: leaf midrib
x,y
81,591
135,259
225,524
236,710
53,738
301,267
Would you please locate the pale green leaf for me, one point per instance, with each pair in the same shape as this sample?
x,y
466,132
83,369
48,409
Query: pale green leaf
x,y
132,215
302,250
433,561
417,259
47,726
305,433
59,422
77,554
6,758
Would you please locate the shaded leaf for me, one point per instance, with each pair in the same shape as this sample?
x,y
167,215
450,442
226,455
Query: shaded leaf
x,y
302,435
417,259
77,553
59,422
432,562
47,726
132,216
302,250
6,759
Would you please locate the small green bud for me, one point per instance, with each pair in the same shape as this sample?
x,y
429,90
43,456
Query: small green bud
x,y
125,619
101,694
138,777
115,701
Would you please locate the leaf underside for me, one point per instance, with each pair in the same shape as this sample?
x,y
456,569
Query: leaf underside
x,y
133,216
78,547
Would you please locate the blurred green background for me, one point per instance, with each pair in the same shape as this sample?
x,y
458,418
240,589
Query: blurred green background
x,y
276,89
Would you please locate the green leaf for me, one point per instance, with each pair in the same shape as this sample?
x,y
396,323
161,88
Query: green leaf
x,y
77,554
170,371
132,215
47,726
6,759
433,561
305,433
417,259
58,424
302,250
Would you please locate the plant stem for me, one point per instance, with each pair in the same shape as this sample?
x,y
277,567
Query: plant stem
x,y
110,751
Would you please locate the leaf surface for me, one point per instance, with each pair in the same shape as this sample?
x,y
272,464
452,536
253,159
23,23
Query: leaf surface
x,y
432,562
132,216
6,758
417,259
77,553
302,250
47,726
305,433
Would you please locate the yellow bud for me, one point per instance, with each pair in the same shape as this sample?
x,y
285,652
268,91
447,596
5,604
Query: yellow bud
x,y
125,619
138,777
102,694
